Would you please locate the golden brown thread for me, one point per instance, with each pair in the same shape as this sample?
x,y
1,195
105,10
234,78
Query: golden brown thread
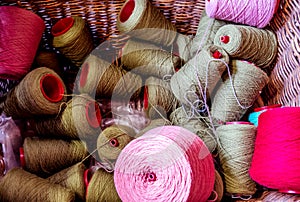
x,y
27,99
49,59
76,42
45,157
71,178
19,185
219,186
238,91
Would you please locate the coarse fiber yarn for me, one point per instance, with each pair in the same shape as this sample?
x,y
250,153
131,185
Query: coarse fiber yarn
x,y
154,123
182,47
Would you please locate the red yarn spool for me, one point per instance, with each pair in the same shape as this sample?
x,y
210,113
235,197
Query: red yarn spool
x,y
21,32
276,162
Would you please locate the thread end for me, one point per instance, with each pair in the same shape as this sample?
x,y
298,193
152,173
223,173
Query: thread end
x,y
52,88
93,114
62,26
127,10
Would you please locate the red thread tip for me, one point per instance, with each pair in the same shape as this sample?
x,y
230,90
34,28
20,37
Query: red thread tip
x,y
225,39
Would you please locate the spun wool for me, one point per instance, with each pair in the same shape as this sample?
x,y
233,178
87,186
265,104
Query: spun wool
x,y
41,92
154,123
235,152
258,46
238,91
18,26
20,185
165,163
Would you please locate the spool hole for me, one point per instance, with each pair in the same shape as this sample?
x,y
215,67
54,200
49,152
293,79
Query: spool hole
x,y
52,88
151,177
146,97
93,114
114,142
84,74
127,10
62,26
22,157
217,54
225,39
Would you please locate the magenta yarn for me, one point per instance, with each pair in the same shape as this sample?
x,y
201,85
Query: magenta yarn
x,y
256,13
167,163
20,34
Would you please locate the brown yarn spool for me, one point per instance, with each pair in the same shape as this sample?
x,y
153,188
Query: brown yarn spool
x,y
148,59
200,74
41,92
19,185
73,39
248,43
45,157
139,18
48,59
102,187
238,92
273,196
80,118
71,178
102,79
219,186
154,124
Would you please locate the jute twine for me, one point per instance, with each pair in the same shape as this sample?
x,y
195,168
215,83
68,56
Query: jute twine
x,y
235,152
19,185
148,59
153,124
248,43
147,21
73,39
41,92
238,91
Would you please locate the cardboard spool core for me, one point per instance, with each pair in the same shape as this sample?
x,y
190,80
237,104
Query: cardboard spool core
x,y
52,88
239,123
62,26
225,39
84,74
146,97
22,157
93,114
267,107
127,11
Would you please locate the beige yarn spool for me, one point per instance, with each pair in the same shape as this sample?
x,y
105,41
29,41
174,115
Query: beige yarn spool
x,y
149,60
139,18
182,47
238,92
248,43
200,74
153,124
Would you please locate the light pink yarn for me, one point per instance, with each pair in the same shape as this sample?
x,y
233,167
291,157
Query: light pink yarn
x,y
256,13
168,163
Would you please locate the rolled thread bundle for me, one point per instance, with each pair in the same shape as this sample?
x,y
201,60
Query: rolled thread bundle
x,y
235,152
154,123
248,43
144,21
253,116
272,196
253,13
80,119
275,162
20,185
182,47
41,92
238,91
165,163
148,60
18,26
199,75
219,186
72,38
45,157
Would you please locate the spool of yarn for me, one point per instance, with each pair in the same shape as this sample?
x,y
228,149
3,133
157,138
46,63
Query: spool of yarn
x,y
101,79
101,187
199,75
45,157
18,26
49,59
182,47
248,43
71,178
148,59
20,185
235,152
142,20
80,118
41,92
72,38
165,163
275,162
253,116
253,13
238,91
154,124
219,186
272,196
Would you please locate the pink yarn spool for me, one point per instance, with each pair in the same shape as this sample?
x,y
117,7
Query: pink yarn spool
x,y
254,13
20,34
276,162
166,163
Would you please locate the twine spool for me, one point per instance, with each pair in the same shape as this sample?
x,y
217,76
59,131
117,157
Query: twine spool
x,y
238,91
148,59
253,13
18,26
248,43
165,163
182,47
219,186
19,185
41,92
102,79
253,116
80,118
154,124
45,157
49,59
199,75
235,152
144,21
272,196
71,178
275,162
72,38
